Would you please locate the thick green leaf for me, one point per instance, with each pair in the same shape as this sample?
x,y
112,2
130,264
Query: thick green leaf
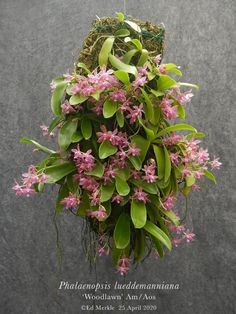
x,y
122,231
157,93
86,128
139,247
147,187
123,173
76,137
195,134
63,192
172,216
181,112
143,58
54,123
149,112
122,32
150,133
36,144
122,76
176,127
77,99
84,205
66,132
57,96
167,165
136,162
210,175
141,143
171,67
138,214
189,85
107,192
158,246
137,43
165,82
120,16
129,55
133,25
106,149
105,50
158,233
190,180
120,119
116,63
83,66
58,172
122,186
98,170
109,108
160,158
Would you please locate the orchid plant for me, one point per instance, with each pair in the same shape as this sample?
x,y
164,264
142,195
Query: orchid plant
x,y
121,161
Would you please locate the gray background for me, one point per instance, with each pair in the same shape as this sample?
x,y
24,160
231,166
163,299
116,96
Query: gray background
x,y
38,40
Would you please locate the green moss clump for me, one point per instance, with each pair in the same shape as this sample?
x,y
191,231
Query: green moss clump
x,y
152,38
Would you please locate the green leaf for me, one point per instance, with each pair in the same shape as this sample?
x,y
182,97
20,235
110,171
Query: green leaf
x,y
58,172
71,183
149,112
160,158
120,16
151,188
122,32
190,180
167,165
84,205
171,67
39,146
105,50
54,123
96,95
172,216
195,134
189,85
83,66
158,246
158,233
133,25
116,63
77,99
97,171
86,128
57,96
120,119
139,247
138,214
137,44
175,127
106,149
143,58
150,134
136,162
165,82
63,192
66,132
122,76
129,55
181,111
109,108
107,192
157,93
122,231
210,175
76,137
141,143
122,186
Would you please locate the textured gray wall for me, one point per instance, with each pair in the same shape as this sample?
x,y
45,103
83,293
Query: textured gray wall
x,y
38,39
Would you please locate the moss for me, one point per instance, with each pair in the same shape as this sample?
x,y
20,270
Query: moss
x,y
152,38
